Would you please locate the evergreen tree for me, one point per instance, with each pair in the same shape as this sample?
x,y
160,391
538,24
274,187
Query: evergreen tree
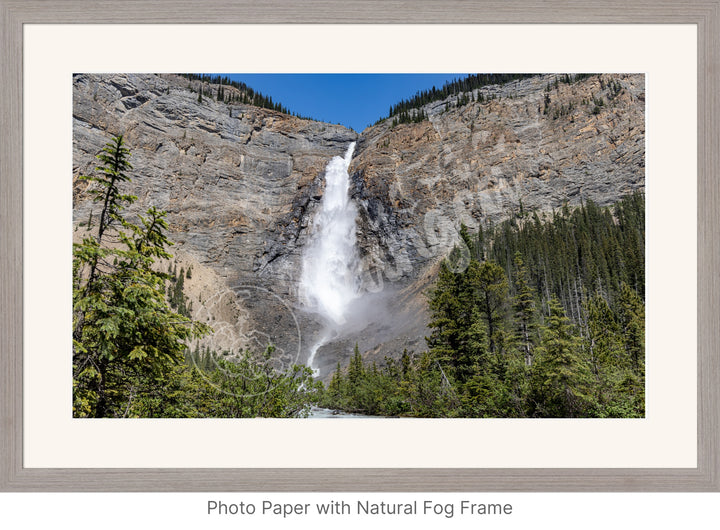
x,y
619,387
524,305
450,317
335,388
632,323
177,298
356,370
490,290
561,380
483,394
124,332
604,340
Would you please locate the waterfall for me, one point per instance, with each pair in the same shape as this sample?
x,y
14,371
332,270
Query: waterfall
x,y
329,282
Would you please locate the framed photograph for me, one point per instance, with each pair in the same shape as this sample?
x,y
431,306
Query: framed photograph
x,y
505,282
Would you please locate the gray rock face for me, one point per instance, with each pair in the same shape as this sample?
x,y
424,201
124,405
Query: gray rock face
x,y
241,184
237,181
529,147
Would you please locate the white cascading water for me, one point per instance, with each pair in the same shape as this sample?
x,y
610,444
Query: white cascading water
x,y
329,281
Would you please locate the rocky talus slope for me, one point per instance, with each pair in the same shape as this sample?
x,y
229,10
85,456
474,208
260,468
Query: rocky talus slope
x,y
241,185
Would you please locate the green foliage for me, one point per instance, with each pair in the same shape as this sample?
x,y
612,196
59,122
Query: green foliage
x,y
411,386
247,386
561,380
620,381
517,333
176,293
525,313
242,93
571,253
451,318
124,332
489,288
130,353
410,116
104,186
631,317
458,87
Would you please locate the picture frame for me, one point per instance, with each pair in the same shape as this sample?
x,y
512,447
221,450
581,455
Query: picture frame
x,y
15,477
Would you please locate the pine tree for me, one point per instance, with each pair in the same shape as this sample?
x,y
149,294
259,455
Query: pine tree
x,y
453,313
524,305
632,323
124,334
489,287
335,388
561,380
604,340
356,369
177,299
482,389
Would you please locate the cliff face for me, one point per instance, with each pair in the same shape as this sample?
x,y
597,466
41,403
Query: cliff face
x,y
236,180
525,145
241,185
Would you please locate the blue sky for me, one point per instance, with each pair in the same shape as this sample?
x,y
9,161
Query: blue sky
x,y
353,100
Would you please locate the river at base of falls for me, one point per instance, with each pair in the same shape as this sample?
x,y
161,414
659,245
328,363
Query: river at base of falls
x,y
317,412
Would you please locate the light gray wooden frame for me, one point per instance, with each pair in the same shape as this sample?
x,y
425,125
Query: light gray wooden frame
x,y
15,13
